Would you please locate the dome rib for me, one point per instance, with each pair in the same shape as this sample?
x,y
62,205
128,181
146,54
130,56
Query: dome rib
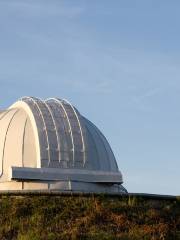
x,y
27,100
59,102
81,131
78,151
4,144
95,163
24,132
50,132
56,131
111,158
104,160
70,128
61,126
5,113
110,152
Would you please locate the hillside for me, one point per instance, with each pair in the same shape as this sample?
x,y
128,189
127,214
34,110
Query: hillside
x,y
92,217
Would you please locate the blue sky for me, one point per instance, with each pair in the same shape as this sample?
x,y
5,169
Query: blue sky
x,y
117,61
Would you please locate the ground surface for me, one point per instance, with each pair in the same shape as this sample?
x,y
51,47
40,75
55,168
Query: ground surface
x,y
79,217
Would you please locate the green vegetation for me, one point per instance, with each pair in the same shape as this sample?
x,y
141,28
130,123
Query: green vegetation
x,y
93,217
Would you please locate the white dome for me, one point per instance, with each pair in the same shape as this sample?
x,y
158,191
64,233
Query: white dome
x,y
50,145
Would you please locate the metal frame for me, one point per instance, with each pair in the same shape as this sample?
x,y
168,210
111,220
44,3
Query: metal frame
x,y
35,100
80,127
69,123
55,127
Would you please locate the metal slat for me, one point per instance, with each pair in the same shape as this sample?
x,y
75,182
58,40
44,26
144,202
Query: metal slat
x,y
59,102
77,124
34,100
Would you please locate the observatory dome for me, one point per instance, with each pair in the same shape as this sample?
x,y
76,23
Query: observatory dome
x,y
49,145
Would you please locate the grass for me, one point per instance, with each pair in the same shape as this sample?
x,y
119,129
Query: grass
x,y
93,217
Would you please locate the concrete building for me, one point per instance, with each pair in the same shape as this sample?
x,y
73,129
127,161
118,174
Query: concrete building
x,y
49,145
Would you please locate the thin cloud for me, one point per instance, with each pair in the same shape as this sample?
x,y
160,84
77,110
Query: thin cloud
x,y
101,87
42,9
148,94
141,100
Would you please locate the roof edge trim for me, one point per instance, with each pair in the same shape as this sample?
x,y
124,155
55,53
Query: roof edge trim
x,y
53,174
